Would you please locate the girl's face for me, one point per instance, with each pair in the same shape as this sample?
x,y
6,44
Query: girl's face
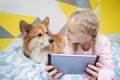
x,y
74,34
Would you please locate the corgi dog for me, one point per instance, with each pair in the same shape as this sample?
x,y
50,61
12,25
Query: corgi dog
x,y
38,41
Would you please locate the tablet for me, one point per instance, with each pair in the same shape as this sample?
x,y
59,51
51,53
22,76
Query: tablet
x,y
71,64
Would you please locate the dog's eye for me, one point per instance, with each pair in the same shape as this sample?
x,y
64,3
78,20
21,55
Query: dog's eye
x,y
39,34
46,32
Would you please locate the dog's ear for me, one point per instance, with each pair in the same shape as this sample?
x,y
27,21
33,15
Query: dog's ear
x,y
24,27
46,21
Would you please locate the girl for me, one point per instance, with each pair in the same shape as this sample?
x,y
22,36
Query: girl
x,y
82,38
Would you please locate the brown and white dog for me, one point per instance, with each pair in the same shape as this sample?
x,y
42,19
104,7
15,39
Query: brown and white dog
x,y
38,41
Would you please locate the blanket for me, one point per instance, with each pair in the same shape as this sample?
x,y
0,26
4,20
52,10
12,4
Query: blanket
x,y
15,66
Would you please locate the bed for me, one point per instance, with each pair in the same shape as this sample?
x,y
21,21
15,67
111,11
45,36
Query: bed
x,y
15,66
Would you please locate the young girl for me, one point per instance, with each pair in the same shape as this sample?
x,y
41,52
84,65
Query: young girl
x,y
82,38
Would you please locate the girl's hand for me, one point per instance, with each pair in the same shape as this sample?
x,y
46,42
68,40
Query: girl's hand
x,y
93,71
52,72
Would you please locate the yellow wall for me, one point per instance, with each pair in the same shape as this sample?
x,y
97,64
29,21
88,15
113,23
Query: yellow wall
x,y
10,22
108,11
109,15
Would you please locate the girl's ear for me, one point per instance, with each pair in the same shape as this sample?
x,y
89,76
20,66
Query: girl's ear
x,y
46,21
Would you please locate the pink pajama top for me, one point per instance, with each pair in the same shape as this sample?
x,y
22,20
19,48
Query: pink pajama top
x,y
103,50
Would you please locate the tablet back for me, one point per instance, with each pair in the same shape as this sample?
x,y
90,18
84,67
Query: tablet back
x,y
71,64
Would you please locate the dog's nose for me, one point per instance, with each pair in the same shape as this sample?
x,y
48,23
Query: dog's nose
x,y
51,40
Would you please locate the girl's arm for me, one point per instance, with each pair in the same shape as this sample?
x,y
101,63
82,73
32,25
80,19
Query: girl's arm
x,y
104,68
106,72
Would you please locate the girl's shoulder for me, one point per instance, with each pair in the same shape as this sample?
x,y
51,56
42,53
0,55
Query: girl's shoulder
x,y
102,38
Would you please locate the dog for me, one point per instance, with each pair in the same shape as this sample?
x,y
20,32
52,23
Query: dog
x,y
38,40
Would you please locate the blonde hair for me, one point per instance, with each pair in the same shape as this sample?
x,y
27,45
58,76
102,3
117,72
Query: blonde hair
x,y
88,24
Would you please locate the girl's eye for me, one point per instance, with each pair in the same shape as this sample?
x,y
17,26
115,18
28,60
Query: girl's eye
x,y
39,34
46,32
